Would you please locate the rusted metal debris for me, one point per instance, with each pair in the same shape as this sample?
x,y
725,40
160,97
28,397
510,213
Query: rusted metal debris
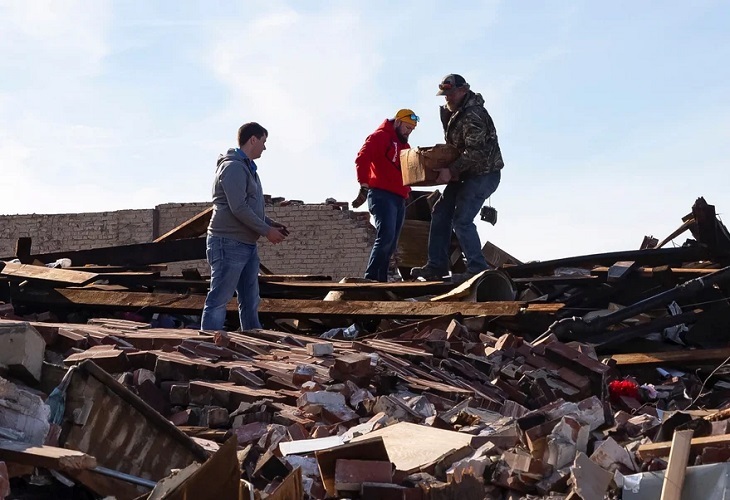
x,y
558,379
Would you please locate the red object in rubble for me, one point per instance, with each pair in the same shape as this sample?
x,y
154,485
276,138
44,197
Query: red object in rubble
x,y
619,388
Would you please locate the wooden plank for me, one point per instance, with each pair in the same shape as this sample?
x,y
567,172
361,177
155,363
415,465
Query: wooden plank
x,y
139,254
677,465
684,356
52,275
269,278
657,450
394,309
424,287
282,308
48,457
191,228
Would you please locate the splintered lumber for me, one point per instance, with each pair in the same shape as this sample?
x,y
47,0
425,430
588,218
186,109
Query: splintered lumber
x,y
43,273
683,357
286,308
191,228
657,450
48,457
677,465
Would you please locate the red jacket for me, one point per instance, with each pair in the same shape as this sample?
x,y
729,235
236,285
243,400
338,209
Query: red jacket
x,y
378,162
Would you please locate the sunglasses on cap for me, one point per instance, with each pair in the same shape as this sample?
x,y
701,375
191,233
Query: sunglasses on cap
x,y
413,117
448,86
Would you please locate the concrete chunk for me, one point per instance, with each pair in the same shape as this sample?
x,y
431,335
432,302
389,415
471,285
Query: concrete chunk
x,y
319,349
21,349
321,398
23,412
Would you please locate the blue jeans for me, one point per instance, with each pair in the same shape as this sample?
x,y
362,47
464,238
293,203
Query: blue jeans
x,y
389,211
234,266
455,210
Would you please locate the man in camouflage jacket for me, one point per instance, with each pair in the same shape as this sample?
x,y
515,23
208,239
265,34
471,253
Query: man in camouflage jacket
x,y
470,180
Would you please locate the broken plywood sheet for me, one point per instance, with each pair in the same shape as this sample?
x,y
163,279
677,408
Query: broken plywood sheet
x,y
411,446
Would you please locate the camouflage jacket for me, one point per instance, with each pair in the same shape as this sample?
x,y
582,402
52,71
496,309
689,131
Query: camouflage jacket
x,y
471,130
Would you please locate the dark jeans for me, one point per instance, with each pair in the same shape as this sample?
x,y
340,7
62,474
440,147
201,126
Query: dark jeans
x,y
455,210
234,266
389,211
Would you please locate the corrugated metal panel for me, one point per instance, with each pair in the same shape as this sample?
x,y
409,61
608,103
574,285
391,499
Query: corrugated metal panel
x,y
107,421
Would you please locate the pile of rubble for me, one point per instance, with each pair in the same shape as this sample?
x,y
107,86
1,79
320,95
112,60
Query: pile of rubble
x,y
589,377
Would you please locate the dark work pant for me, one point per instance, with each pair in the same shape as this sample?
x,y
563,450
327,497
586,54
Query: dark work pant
x,y
455,210
389,211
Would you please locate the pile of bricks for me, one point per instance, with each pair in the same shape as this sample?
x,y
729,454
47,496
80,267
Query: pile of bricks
x,y
490,416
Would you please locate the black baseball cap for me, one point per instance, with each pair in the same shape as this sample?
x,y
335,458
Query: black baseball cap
x,y
451,81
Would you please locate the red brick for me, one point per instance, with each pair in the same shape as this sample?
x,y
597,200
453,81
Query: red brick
x,y
350,474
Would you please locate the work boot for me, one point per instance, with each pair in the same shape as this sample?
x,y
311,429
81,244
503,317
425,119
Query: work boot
x,y
427,273
462,277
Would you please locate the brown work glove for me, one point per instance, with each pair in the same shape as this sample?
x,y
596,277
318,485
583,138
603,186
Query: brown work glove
x,y
362,196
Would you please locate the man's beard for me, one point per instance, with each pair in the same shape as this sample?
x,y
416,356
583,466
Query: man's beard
x,y
452,106
401,137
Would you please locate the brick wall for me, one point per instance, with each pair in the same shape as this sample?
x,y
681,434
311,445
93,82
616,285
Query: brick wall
x,y
56,232
324,239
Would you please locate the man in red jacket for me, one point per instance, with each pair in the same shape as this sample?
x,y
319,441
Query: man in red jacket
x,y
378,172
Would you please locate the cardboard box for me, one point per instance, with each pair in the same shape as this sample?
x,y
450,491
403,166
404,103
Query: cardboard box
x,y
418,165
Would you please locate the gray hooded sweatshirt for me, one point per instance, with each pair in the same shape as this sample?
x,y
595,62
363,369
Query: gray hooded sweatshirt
x,y
238,200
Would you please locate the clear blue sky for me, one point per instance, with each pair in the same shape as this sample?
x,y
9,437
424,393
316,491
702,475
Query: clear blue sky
x,y
612,116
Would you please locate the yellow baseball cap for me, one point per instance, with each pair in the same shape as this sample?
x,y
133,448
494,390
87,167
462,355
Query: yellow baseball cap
x,y
408,116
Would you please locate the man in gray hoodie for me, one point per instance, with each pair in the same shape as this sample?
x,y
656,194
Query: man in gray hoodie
x,y
237,223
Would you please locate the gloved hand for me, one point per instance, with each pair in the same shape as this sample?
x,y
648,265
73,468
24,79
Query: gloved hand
x,y
362,196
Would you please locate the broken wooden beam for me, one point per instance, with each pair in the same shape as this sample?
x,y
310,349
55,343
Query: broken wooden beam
x,y
139,254
677,465
681,357
47,274
48,457
657,450
282,308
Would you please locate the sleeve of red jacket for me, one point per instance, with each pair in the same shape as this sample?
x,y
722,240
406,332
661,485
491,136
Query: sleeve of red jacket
x,y
373,151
